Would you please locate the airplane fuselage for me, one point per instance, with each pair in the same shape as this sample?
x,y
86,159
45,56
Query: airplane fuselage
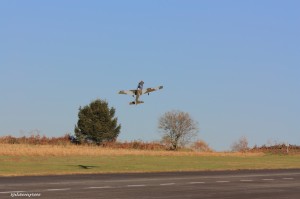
x,y
138,93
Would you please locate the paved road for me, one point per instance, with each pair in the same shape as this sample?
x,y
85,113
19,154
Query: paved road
x,y
275,184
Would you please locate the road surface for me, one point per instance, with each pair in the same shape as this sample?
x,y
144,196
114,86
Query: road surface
x,y
249,184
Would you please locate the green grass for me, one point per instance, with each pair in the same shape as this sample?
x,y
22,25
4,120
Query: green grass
x,y
37,165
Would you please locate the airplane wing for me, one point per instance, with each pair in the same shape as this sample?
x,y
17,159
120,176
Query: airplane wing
x,y
128,92
149,90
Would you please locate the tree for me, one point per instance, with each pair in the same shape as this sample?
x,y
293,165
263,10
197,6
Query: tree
x,y
96,123
241,145
178,129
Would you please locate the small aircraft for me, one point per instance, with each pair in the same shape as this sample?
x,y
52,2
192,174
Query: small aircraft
x,y
138,92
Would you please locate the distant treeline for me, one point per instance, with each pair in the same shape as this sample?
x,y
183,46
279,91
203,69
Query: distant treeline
x,y
200,146
67,140
36,139
277,149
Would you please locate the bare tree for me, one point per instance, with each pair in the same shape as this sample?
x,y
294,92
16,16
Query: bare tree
x,y
241,145
178,128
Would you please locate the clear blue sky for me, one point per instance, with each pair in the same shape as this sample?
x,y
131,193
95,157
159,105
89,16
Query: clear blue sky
x,y
233,65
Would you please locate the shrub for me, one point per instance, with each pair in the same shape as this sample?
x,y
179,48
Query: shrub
x,y
241,145
201,146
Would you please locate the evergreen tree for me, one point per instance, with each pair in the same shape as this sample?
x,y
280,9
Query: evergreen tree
x,y
96,123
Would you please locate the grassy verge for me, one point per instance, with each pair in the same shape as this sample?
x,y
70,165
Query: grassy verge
x,y
45,160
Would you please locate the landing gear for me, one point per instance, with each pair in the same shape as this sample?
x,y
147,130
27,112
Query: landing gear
x,y
136,103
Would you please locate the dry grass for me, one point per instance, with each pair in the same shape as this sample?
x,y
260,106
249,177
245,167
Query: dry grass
x,y
79,150
25,159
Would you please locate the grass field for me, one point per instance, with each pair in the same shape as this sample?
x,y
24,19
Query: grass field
x,y
51,160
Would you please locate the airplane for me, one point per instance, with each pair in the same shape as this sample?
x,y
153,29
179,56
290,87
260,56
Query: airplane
x,y
138,92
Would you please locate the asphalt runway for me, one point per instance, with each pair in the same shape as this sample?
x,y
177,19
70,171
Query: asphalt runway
x,y
249,184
